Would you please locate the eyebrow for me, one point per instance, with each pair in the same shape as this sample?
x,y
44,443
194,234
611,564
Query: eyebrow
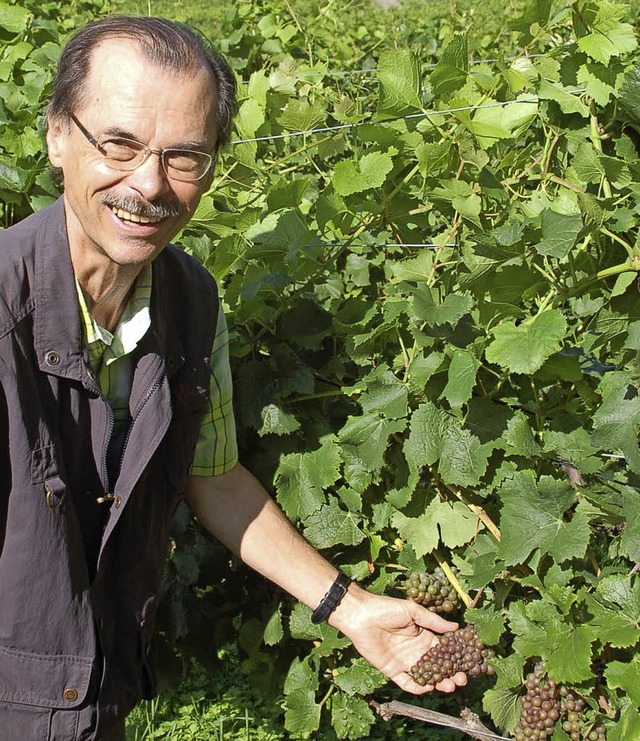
x,y
190,144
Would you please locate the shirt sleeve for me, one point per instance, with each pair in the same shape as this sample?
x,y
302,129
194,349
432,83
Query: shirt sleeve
x,y
217,447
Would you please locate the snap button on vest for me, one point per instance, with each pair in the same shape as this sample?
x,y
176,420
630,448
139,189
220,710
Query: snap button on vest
x,y
52,358
70,694
118,502
53,500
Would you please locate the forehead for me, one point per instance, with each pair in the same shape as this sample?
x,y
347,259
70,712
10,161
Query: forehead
x,y
125,87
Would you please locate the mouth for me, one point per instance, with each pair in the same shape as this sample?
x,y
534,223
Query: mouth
x,y
135,218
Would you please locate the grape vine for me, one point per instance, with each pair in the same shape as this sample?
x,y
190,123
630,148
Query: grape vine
x,y
426,242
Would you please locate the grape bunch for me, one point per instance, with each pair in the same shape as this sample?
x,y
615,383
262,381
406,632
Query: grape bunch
x,y
575,724
434,591
541,708
544,703
460,651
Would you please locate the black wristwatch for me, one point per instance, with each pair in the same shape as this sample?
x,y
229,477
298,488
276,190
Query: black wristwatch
x,y
331,599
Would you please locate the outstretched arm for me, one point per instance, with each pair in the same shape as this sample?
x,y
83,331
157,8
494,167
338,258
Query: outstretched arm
x,y
392,634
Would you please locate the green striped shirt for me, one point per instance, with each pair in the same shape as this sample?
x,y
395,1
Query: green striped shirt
x,y
111,360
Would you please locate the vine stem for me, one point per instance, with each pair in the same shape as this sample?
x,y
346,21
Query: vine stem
x,y
478,511
596,138
453,579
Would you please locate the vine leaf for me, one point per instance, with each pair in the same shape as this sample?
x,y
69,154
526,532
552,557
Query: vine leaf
x,y
370,171
359,678
607,36
450,73
331,525
462,377
615,423
626,676
301,477
524,348
630,540
399,77
533,517
570,659
351,717
559,233
503,705
615,607
301,712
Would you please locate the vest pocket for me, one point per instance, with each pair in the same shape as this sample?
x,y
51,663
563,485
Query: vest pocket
x,y
43,680
22,722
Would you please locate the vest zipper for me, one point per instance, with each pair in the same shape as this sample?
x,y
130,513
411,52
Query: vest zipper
x,y
152,389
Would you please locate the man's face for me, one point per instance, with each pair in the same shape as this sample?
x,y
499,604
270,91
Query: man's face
x,y
130,96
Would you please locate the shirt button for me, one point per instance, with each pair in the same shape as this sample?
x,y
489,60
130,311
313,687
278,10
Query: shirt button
x,y
118,502
70,694
52,358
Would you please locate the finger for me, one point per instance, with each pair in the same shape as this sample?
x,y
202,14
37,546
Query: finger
x,y
430,620
406,683
452,683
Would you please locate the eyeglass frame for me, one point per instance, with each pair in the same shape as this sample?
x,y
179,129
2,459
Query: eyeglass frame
x,y
147,150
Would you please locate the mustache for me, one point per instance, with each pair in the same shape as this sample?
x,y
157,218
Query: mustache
x,y
156,210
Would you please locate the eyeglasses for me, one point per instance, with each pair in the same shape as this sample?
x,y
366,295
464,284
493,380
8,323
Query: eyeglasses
x,y
127,155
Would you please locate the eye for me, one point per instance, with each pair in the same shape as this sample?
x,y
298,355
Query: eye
x,y
185,160
119,149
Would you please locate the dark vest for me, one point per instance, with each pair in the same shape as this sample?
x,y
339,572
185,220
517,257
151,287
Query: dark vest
x,y
79,580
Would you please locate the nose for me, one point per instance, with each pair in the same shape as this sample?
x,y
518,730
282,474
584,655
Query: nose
x,y
149,178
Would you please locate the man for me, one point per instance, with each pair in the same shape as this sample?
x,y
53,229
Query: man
x,y
109,414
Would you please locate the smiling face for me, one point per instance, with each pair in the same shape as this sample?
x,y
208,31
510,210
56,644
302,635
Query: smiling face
x,y
127,218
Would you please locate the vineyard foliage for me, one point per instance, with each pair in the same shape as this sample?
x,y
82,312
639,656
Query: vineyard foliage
x,y
427,242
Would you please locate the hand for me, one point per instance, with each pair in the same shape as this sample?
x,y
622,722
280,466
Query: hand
x,y
393,634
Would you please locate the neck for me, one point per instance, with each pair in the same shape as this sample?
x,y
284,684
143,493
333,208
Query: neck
x,y
106,287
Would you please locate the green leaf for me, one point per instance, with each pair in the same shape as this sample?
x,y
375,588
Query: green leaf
x,y
490,626
301,477
461,378
14,18
503,705
370,171
301,674
616,422
399,78
367,436
418,268
630,540
275,421
629,94
450,73
424,444
450,311
273,632
628,727
569,102
351,717
420,532
519,439
332,525
605,36
533,516
359,678
300,115
385,395
598,81
524,348
570,661
626,676
463,460
506,121
559,233
615,607
301,712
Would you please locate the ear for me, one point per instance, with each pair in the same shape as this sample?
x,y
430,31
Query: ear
x,y
57,136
